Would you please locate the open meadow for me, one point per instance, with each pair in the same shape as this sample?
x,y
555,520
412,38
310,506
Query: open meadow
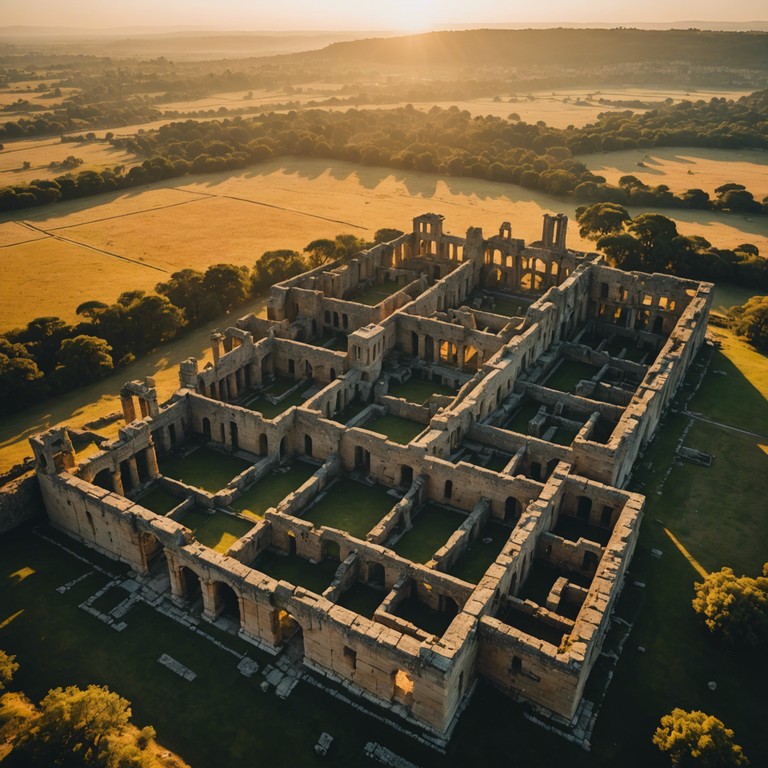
x,y
683,168
98,247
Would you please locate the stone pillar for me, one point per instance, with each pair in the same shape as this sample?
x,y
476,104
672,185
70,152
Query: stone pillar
x,y
117,481
209,600
422,346
152,467
133,469
217,346
165,439
143,407
129,411
177,583
460,356
232,384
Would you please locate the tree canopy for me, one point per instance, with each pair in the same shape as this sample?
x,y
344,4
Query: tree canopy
x,y
697,740
751,321
735,608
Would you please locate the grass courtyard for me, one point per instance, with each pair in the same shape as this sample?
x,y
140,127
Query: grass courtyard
x,y
568,374
362,599
419,390
159,500
478,556
272,489
397,429
297,570
203,468
219,531
351,506
377,293
432,526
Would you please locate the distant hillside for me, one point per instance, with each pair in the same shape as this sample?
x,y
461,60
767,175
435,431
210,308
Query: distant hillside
x,y
562,47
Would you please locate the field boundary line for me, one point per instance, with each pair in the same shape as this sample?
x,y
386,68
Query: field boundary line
x,y
726,426
121,215
271,205
69,240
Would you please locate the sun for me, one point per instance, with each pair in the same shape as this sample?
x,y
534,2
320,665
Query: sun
x,y
416,15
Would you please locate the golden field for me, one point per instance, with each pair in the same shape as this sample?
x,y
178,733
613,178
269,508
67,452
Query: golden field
x,y
97,247
682,168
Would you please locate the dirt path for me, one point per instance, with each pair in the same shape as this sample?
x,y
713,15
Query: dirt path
x,y
102,397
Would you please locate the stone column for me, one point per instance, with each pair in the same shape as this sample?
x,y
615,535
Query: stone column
x,y
177,583
133,469
129,411
152,467
232,384
117,481
422,345
144,408
209,601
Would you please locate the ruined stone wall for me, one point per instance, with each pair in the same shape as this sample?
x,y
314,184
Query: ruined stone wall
x,y
20,502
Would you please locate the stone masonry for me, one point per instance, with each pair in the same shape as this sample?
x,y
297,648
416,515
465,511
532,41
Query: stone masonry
x,y
551,372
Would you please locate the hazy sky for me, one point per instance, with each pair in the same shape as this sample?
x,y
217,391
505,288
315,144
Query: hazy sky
x,y
363,14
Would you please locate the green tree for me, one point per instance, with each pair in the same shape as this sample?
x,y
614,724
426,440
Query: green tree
x,y
274,266
697,740
601,219
225,285
736,608
8,668
73,726
320,252
82,359
185,290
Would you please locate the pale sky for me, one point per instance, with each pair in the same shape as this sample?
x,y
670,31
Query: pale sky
x,y
406,15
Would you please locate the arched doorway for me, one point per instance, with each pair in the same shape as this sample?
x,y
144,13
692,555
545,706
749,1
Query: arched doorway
x,y
233,436
104,480
206,428
512,510
376,575
308,445
283,449
590,562
584,508
227,602
263,445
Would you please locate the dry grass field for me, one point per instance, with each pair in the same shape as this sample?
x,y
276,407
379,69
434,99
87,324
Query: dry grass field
x,y
41,152
686,168
96,248
554,110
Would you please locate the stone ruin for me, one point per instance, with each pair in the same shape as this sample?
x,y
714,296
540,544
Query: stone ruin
x,y
550,373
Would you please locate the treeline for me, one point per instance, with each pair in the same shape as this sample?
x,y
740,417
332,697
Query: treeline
x,y
446,141
81,117
49,356
650,242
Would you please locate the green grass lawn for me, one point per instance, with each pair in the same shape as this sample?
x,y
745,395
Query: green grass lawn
x,y
479,555
272,489
377,293
568,374
419,390
271,410
220,718
219,531
397,429
351,506
362,599
297,570
204,468
159,500
526,411
432,527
